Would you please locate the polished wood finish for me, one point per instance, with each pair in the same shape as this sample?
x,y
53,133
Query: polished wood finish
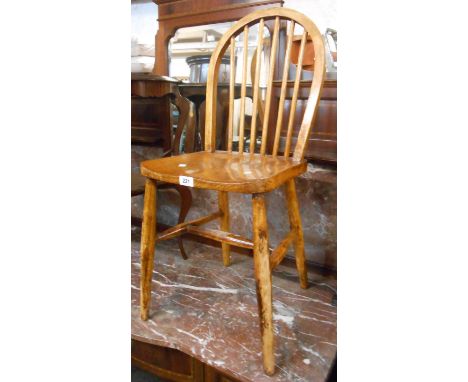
x,y
223,171
175,14
296,227
295,94
221,236
223,202
174,365
232,80
280,252
266,111
316,84
322,141
263,280
308,62
252,173
148,240
166,363
256,87
243,90
283,87
182,227
149,87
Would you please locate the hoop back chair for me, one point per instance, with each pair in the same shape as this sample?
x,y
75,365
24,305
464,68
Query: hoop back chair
x,y
245,172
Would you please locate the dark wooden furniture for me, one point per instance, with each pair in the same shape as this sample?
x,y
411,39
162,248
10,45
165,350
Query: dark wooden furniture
x,y
322,141
175,14
323,138
151,119
174,365
253,173
148,87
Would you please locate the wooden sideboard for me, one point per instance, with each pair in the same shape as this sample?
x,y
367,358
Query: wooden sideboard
x,y
175,14
323,139
151,119
174,365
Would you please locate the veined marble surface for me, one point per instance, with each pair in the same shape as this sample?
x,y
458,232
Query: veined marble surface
x,y
210,312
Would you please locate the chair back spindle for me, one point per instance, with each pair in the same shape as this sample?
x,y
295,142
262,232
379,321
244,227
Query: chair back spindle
x,y
284,84
232,79
271,74
266,69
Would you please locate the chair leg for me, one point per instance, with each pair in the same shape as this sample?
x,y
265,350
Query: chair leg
x,y
296,225
148,236
223,202
185,204
263,281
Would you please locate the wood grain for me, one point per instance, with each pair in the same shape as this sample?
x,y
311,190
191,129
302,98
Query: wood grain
x,y
232,80
255,174
182,227
222,236
256,88
284,82
317,82
263,281
223,202
243,89
297,81
148,236
266,111
225,171
296,226
280,251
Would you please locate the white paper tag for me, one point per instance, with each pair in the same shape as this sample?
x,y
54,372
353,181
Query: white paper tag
x,y
186,181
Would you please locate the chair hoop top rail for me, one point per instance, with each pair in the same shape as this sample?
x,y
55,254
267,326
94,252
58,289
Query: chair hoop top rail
x,y
243,26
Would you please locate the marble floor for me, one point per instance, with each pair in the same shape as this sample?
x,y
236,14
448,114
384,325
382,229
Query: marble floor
x,y
210,312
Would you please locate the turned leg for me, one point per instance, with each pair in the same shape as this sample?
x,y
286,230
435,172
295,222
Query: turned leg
x,y
296,225
223,202
185,204
263,281
148,236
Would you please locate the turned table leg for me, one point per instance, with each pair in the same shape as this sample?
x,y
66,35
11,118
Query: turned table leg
x,y
263,281
148,236
223,201
296,226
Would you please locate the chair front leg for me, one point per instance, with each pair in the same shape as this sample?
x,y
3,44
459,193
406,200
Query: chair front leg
x,y
223,202
296,226
263,281
148,238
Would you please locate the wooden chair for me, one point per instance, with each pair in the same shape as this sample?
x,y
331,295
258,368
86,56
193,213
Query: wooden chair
x,y
138,181
244,172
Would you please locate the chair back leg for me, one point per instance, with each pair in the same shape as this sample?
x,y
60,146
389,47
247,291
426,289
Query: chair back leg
x,y
263,281
223,201
296,226
148,239
185,204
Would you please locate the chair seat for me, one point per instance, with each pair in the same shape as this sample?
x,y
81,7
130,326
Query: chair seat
x,y
223,171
